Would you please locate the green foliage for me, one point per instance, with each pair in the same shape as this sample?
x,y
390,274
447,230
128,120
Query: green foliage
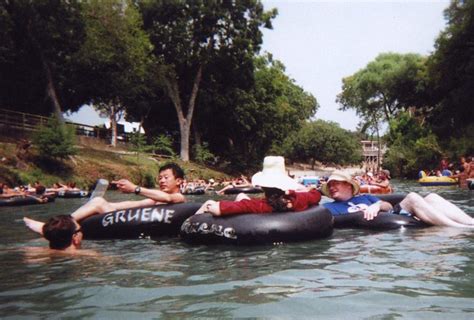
x,y
202,154
55,140
10,177
198,41
138,143
323,141
451,67
116,54
412,147
406,127
38,40
149,180
389,84
461,144
246,124
163,144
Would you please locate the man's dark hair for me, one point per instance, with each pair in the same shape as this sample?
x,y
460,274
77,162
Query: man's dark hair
x,y
177,171
59,231
40,190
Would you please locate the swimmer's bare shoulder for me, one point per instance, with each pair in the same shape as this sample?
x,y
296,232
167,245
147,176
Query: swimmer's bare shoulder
x,y
42,252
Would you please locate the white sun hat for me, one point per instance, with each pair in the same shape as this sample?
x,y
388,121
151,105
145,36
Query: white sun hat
x,y
274,175
340,176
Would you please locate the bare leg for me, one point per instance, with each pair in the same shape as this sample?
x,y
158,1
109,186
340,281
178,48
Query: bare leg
x,y
94,206
450,210
418,206
99,205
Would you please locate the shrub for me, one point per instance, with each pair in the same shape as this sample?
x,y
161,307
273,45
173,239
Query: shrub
x,y
55,140
163,144
202,154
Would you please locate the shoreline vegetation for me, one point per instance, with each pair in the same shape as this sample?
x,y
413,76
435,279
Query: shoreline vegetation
x,y
95,159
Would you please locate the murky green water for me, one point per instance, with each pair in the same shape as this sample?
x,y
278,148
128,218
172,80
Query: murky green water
x,y
355,274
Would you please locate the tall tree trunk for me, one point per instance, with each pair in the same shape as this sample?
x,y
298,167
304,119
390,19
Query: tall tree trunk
x,y
113,125
50,88
184,119
51,91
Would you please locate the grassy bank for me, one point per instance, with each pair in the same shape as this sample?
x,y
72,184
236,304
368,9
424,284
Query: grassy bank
x,y
93,160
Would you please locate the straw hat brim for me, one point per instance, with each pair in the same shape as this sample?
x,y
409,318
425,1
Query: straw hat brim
x,y
355,185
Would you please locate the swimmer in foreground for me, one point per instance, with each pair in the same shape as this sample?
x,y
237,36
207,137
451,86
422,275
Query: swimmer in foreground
x,y
63,232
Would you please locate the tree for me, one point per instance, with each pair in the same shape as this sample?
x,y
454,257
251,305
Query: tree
x,y
389,84
39,39
412,146
247,123
55,140
451,68
325,142
115,57
189,36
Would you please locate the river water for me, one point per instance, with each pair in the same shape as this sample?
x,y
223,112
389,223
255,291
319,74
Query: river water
x,y
355,274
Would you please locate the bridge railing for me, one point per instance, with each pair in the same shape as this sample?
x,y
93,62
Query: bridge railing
x,y
10,119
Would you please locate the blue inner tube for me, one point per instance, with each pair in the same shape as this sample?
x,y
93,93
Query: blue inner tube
x,y
22,201
238,190
73,194
383,221
257,229
155,221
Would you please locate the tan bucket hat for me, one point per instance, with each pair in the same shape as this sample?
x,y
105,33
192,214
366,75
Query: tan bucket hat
x,y
339,175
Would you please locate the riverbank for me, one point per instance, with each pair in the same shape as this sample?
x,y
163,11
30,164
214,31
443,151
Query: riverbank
x,y
93,160
301,170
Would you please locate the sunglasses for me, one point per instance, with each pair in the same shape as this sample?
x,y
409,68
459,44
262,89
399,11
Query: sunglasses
x,y
77,231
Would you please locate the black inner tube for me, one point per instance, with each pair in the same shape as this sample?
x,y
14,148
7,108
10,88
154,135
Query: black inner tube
x,y
238,190
257,229
155,221
23,201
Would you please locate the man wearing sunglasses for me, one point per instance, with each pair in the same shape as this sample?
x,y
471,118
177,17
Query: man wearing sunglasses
x,y
63,233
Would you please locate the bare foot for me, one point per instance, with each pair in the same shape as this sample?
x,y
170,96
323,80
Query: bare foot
x,y
36,226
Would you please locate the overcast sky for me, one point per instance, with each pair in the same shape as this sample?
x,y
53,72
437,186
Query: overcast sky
x,y
321,42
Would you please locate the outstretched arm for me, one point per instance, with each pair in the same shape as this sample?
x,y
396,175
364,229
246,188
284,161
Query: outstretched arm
x,y
157,195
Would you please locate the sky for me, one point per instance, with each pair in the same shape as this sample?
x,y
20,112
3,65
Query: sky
x,y
321,42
